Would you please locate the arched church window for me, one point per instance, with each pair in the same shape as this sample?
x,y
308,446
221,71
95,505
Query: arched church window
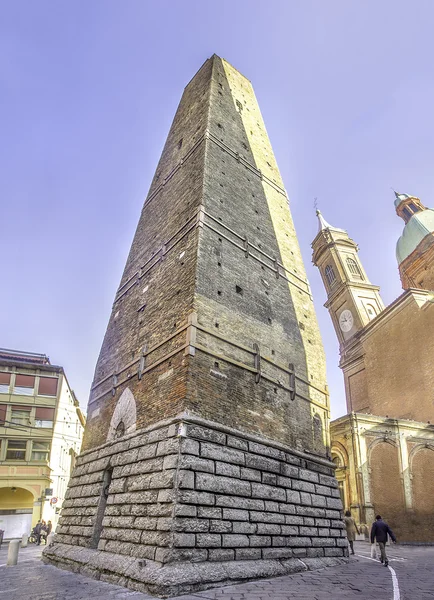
x,y
354,267
337,460
330,275
414,207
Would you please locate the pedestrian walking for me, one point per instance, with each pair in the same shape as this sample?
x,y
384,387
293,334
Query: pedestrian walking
x,y
379,532
44,532
37,532
351,527
49,527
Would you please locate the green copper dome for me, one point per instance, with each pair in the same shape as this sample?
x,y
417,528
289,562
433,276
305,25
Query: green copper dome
x,y
419,226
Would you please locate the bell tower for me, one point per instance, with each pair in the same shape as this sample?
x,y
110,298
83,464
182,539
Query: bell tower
x,y
352,300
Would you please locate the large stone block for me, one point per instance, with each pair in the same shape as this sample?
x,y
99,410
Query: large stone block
x,y
196,464
303,486
222,453
196,498
227,469
247,553
221,554
266,517
308,475
318,500
208,540
205,433
191,525
222,485
262,463
234,540
236,442
329,481
277,553
268,492
184,540
219,526
237,502
334,503
234,514
268,529
149,523
323,542
244,527
207,512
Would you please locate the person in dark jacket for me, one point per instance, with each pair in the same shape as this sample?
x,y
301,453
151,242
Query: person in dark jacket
x,y
44,532
379,531
37,532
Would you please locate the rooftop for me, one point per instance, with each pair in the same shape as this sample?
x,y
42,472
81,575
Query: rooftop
x,y
28,357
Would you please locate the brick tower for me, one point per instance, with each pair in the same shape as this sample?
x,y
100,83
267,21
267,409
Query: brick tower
x,y
205,456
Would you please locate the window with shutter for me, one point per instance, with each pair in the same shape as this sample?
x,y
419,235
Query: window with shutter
x,y
44,417
5,380
47,386
3,413
24,385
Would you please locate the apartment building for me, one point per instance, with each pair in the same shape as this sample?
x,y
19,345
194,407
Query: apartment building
x,y
41,429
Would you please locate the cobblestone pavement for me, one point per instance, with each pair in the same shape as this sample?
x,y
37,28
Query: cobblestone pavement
x,y
363,578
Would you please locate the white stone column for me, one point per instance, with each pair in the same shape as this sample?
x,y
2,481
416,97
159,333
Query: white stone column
x,y
405,470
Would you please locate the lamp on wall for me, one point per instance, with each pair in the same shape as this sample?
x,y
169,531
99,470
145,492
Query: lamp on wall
x,y
13,490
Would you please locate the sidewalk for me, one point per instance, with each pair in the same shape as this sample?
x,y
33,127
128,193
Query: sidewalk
x,y
362,579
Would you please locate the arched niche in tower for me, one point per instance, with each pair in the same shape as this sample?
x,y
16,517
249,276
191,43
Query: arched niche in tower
x,y
124,417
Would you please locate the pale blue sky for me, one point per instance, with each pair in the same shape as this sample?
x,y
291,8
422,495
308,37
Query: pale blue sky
x,y
88,92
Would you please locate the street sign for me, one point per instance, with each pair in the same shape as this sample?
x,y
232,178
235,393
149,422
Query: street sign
x,y
53,500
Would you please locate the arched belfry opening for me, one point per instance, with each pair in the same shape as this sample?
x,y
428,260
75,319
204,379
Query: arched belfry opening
x,y
124,417
97,528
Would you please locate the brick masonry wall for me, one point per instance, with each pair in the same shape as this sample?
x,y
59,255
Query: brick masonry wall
x,y
399,339
157,287
274,312
217,179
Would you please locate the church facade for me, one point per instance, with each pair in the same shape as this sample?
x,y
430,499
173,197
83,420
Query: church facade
x,y
384,446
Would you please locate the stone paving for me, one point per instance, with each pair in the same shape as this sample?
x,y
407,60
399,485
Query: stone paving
x,y
363,579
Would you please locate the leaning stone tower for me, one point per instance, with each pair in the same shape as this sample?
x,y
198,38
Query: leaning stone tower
x,y
205,456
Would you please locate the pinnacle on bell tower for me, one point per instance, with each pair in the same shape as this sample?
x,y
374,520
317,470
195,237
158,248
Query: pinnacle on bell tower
x,y
208,414
352,300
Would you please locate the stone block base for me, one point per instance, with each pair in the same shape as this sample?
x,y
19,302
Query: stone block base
x,y
177,578
190,504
